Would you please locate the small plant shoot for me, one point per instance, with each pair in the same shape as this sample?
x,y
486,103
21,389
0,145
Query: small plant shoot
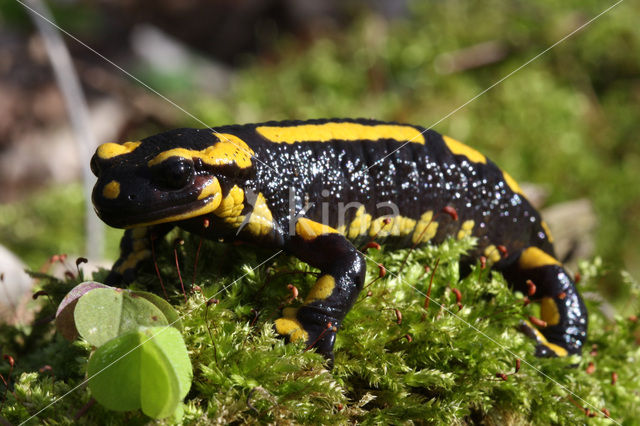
x,y
147,369
141,361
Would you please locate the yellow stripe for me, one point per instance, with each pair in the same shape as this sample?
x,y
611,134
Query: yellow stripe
x,y
340,131
459,148
559,350
511,182
309,230
210,206
231,205
533,257
230,149
547,231
211,188
260,219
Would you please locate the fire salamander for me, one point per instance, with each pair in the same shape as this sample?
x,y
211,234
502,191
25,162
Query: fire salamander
x,y
319,188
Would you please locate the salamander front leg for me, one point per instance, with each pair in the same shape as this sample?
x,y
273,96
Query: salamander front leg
x,y
135,250
562,308
342,270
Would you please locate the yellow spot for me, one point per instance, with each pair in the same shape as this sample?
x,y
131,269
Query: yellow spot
x,y
229,150
137,233
321,289
512,183
385,226
402,225
342,229
557,349
111,190
459,148
425,229
549,311
377,226
492,254
533,257
466,229
139,245
289,325
340,131
547,231
309,230
110,149
133,259
260,219
359,224
139,238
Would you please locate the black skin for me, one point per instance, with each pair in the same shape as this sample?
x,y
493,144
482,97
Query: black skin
x,y
418,177
337,257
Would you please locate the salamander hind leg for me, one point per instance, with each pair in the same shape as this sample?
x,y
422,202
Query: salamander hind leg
x,y
342,272
564,316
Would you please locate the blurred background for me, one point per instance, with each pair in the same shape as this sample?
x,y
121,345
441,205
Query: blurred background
x,y
568,121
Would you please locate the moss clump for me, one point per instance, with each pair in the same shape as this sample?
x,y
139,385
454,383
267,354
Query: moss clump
x,y
447,364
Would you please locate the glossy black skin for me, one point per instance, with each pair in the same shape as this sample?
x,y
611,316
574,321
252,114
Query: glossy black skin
x,y
320,175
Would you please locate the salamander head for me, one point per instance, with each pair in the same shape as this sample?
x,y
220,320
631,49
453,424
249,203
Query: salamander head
x,y
168,177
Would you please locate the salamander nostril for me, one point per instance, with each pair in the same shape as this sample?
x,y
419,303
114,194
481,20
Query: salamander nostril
x,y
131,197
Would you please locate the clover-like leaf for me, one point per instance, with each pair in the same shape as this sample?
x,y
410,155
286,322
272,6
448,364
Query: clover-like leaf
x,y
106,313
169,312
148,369
65,322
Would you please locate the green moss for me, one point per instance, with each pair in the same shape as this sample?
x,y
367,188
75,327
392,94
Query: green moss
x,y
438,365
48,223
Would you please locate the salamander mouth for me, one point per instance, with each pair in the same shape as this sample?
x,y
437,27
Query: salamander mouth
x,y
119,219
202,196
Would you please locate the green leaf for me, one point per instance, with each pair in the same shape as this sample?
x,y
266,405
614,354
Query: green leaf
x,y
169,312
148,369
105,313
114,382
65,314
170,345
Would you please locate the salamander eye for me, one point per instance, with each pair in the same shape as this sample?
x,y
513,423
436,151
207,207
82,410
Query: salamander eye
x,y
174,173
